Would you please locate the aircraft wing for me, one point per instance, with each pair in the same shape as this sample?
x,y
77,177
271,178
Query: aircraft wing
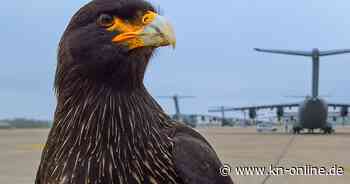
x,y
286,52
338,105
334,114
289,114
290,105
334,52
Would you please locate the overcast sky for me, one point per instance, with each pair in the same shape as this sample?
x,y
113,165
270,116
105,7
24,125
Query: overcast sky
x,y
214,59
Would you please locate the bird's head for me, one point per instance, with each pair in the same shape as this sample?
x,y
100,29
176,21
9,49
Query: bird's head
x,y
111,41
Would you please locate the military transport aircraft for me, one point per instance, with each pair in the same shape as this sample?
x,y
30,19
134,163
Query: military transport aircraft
x,y
313,111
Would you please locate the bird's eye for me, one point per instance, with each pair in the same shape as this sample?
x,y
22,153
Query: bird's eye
x,y
145,19
105,20
148,17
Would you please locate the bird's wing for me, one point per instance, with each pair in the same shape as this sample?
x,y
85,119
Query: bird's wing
x,y
195,160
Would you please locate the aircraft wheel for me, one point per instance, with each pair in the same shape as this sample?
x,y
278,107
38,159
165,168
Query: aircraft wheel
x,y
296,130
328,130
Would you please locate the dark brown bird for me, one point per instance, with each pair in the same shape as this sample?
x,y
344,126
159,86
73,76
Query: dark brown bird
x,y
107,128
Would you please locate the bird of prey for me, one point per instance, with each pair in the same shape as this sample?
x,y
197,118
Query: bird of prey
x,y
107,128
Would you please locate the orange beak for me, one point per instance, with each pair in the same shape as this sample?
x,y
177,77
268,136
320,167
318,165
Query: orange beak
x,y
156,33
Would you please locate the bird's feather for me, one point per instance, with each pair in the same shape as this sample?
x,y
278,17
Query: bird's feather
x,y
107,127
196,161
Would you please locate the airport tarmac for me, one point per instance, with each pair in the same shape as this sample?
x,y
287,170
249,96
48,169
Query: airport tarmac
x,y
237,147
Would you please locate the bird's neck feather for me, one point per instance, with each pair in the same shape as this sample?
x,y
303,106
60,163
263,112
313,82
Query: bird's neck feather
x,y
92,124
96,110
93,100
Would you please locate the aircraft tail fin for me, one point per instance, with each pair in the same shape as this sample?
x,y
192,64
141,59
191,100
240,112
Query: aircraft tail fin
x,y
286,52
334,52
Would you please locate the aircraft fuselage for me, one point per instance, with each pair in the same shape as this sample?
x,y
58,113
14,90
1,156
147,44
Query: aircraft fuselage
x,y
313,113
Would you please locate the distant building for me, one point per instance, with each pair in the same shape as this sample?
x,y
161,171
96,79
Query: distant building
x,y
24,123
199,121
5,125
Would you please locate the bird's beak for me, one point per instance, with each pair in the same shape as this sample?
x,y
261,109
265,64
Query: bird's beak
x,y
157,33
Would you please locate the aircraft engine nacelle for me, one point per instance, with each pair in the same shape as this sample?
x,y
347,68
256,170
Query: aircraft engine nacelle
x,y
280,113
252,113
344,111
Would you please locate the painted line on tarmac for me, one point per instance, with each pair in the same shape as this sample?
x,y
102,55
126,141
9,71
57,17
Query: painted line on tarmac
x,y
283,154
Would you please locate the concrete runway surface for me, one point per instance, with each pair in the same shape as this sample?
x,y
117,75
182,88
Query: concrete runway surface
x,y
237,147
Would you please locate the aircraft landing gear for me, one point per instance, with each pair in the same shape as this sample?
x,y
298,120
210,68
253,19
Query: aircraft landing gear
x,y
328,130
296,130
